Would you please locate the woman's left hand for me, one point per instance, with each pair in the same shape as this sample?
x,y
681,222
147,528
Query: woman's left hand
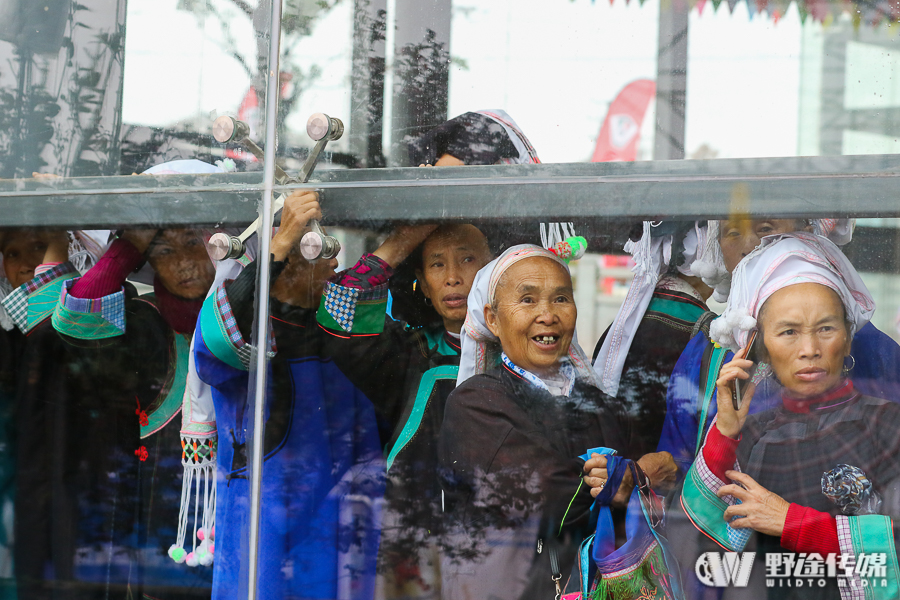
x,y
762,510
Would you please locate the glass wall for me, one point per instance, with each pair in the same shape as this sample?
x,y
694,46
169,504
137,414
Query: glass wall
x,y
407,300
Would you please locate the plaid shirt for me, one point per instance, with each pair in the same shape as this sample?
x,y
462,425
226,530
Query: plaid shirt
x,y
788,452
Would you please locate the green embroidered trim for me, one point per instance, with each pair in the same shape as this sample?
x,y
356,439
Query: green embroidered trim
x,y
705,509
426,386
42,302
438,343
367,320
715,363
641,582
674,308
215,335
159,414
873,534
83,326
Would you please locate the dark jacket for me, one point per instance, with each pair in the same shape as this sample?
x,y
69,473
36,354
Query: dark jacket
x,y
508,454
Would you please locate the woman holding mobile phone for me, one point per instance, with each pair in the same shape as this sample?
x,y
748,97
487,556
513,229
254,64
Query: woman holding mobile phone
x,y
819,474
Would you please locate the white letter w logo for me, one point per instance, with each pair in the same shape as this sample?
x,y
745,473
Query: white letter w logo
x,y
721,570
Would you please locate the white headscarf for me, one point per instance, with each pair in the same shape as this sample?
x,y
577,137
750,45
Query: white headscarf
x,y
710,267
477,339
781,261
652,256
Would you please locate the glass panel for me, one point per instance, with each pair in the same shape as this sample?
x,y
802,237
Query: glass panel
x,y
381,477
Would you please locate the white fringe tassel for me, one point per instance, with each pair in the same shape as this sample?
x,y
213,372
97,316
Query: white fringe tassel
x,y
198,479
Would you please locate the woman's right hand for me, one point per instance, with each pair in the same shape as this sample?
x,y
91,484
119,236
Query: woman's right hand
x,y
728,420
299,209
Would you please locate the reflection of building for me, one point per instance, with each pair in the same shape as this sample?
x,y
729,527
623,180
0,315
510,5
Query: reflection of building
x,y
850,104
849,90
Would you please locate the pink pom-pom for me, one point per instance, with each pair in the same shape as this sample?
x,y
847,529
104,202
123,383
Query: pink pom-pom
x,y
191,560
200,534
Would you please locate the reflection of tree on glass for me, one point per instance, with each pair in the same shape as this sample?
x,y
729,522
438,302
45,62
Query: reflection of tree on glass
x,y
64,113
299,17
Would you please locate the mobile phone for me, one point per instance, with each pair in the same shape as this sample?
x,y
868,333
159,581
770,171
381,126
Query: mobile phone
x,y
740,385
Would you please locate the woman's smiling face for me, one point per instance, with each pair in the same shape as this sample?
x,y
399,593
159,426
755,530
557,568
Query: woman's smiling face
x,y
806,337
534,314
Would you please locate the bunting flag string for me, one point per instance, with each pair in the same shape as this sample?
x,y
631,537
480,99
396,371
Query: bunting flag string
x,y
862,12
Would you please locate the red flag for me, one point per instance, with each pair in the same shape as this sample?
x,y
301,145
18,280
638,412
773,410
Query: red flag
x,y
249,114
621,130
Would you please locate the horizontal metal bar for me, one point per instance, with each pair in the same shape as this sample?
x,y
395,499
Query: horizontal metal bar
x,y
861,186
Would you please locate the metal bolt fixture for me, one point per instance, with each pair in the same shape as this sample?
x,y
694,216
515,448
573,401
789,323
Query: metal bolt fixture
x,y
314,244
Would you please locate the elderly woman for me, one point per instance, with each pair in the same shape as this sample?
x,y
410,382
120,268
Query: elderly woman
x,y
512,432
810,475
689,404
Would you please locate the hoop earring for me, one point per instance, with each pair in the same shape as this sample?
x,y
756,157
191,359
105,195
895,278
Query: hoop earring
x,y
428,302
851,367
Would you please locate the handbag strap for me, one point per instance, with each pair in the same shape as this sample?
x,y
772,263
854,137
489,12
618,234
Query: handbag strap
x,y
713,358
554,568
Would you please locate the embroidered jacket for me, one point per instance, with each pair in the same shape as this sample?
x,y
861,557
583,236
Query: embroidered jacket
x,y
132,326
414,370
786,450
75,526
323,476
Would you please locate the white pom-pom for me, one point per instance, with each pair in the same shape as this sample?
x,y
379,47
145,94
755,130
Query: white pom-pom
x,y
192,560
703,269
720,331
205,557
747,323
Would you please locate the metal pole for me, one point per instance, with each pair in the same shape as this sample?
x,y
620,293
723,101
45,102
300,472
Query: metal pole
x,y
671,80
261,335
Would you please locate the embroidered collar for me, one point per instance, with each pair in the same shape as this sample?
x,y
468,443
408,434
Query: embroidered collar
x,y
452,340
836,396
566,370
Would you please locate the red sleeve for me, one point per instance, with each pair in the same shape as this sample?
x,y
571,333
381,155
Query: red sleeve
x,y
719,452
110,272
808,530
